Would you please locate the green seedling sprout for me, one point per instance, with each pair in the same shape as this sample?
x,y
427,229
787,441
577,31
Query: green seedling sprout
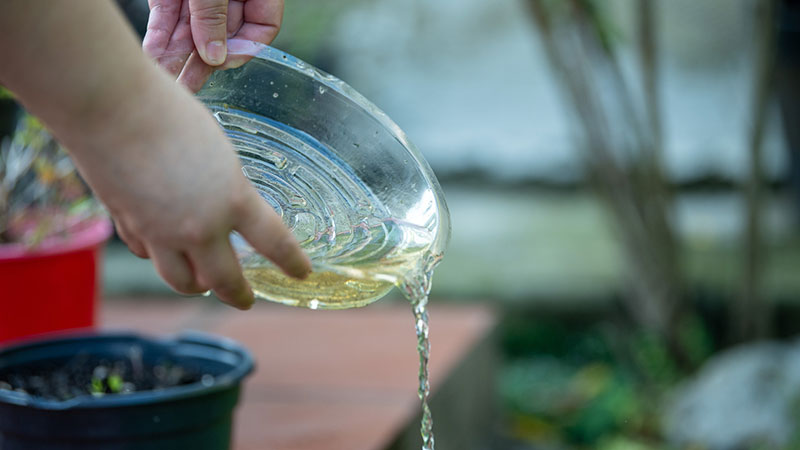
x,y
115,383
97,389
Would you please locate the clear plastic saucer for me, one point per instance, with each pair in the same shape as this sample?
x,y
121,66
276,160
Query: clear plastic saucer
x,y
359,197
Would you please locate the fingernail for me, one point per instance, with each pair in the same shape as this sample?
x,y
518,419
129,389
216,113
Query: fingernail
x,y
246,299
241,307
216,52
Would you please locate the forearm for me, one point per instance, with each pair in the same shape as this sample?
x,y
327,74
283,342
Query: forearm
x,y
151,152
75,64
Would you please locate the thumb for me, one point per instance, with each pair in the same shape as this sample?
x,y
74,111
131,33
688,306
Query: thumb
x,y
209,23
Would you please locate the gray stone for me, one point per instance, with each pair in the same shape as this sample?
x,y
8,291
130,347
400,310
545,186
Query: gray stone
x,y
741,397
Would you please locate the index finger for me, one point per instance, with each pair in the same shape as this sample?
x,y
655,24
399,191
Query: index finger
x,y
263,228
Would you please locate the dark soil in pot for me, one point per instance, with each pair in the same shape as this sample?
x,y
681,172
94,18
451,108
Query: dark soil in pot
x,y
88,375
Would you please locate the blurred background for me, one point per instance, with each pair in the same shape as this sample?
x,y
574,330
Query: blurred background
x,y
624,183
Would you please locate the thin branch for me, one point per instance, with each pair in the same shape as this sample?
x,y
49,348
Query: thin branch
x,y
751,313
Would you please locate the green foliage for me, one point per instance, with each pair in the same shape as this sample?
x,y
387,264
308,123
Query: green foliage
x,y
522,336
307,25
653,359
579,404
5,93
695,339
596,385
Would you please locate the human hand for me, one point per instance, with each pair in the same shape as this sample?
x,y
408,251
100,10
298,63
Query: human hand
x,y
188,37
175,188
150,151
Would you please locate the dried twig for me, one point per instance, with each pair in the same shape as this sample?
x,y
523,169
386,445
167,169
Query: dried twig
x,y
750,312
623,159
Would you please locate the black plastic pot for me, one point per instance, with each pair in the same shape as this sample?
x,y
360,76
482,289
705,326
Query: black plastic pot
x,y
195,416
9,115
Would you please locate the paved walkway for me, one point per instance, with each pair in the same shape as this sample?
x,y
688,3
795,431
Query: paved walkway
x,y
324,379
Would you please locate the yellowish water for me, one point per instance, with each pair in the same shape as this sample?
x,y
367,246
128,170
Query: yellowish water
x,y
321,290
353,269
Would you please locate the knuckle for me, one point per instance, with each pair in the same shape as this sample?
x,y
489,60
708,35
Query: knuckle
x,y
276,28
164,7
210,14
217,280
282,248
240,203
140,252
195,233
129,228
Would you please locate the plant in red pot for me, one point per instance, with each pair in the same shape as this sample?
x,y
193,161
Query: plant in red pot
x,y
51,233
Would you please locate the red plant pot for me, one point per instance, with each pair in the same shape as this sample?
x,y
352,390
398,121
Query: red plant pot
x,y
53,287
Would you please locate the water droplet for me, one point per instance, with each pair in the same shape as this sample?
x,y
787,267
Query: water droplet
x,y
313,304
274,95
271,83
207,380
322,89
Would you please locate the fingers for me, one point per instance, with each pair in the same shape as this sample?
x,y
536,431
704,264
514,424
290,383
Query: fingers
x,y
261,20
261,226
254,20
195,73
209,22
173,64
160,25
174,268
176,29
169,37
217,268
134,245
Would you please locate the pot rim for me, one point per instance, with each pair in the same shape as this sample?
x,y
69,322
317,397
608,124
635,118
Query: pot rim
x,y
93,234
242,367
